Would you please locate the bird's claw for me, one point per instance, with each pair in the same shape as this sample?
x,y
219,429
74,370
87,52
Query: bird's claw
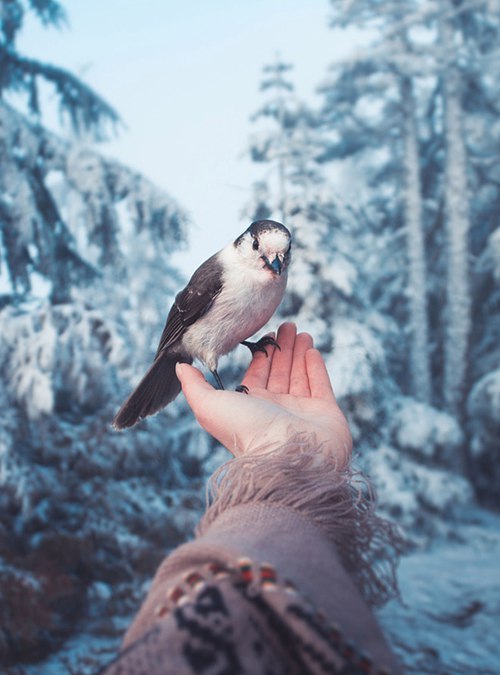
x,y
260,345
242,389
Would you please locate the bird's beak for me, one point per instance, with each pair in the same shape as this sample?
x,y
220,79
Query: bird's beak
x,y
275,266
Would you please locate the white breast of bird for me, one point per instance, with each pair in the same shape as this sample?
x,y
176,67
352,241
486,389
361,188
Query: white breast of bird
x,y
248,300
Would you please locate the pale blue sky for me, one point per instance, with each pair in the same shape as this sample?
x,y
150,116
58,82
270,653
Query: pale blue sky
x,y
184,76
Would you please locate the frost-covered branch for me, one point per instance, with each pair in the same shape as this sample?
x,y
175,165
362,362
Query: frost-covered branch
x,y
87,111
59,208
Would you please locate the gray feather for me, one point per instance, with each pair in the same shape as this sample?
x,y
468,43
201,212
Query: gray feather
x,y
192,302
158,387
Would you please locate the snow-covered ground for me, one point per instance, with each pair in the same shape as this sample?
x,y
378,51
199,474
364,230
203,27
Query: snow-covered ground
x,y
446,624
449,619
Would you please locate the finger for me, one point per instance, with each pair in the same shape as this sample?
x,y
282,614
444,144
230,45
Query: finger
x,y
258,371
194,385
279,376
299,382
319,380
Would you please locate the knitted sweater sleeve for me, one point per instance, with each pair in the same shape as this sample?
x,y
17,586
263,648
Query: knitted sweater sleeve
x,y
294,513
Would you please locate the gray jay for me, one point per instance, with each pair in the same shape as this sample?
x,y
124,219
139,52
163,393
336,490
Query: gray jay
x,y
228,299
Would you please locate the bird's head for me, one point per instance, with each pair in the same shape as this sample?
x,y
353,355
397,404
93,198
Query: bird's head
x,y
266,244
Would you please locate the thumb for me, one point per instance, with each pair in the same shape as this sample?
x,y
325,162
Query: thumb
x,y
194,385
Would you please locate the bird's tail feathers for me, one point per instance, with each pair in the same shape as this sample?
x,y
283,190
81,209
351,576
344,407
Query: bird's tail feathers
x,y
158,387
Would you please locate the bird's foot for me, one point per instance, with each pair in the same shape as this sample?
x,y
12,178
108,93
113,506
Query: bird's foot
x,y
217,379
242,389
260,345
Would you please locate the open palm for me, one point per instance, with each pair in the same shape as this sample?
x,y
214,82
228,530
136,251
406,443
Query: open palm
x,y
289,393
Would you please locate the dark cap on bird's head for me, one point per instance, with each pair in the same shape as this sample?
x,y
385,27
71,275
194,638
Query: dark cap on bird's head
x,y
259,226
268,243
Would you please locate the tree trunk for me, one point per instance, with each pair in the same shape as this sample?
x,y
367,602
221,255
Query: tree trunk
x,y
458,314
417,274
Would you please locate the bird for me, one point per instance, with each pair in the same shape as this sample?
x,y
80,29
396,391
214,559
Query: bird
x,y
227,300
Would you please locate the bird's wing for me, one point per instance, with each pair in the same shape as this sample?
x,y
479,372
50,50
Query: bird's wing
x,y
192,302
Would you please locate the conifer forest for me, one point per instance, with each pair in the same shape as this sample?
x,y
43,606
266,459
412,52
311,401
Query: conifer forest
x,y
390,184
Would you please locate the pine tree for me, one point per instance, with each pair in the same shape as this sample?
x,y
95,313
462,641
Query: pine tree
x,y
444,57
294,191
456,198
83,240
337,253
35,239
381,77
275,148
475,33
415,251
87,111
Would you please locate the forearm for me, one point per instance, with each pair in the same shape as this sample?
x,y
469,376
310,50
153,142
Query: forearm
x,y
308,522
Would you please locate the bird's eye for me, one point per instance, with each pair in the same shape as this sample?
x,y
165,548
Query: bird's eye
x,y
255,245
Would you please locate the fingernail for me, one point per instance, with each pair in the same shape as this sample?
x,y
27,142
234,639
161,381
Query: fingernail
x,y
178,369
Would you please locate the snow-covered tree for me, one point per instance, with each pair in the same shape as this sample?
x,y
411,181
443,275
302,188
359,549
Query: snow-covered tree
x,y
83,239
456,200
284,142
35,240
337,253
385,122
419,103
378,111
294,190
86,110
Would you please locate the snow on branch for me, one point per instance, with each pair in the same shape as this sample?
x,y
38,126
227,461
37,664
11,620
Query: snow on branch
x,y
60,208
87,111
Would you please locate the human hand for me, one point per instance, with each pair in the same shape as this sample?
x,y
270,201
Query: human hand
x,y
289,393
